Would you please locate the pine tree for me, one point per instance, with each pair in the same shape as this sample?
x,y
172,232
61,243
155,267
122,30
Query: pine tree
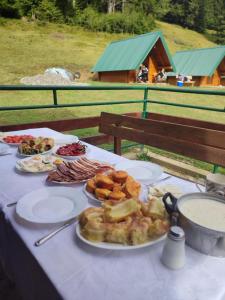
x,y
200,22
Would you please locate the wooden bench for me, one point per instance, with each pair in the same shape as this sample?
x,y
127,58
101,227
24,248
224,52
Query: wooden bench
x,y
200,140
189,83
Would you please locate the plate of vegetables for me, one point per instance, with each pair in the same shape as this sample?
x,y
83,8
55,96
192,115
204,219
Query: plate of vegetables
x,y
72,151
15,140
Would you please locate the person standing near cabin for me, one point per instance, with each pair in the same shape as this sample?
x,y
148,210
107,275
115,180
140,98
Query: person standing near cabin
x,y
142,74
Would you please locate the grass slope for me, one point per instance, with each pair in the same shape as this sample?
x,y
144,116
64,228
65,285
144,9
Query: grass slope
x,y
27,48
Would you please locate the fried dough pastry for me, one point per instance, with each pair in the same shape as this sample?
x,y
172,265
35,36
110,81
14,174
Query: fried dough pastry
x,y
118,232
158,227
119,212
91,213
91,186
119,176
102,194
139,230
94,231
117,195
131,188
104,182
154,208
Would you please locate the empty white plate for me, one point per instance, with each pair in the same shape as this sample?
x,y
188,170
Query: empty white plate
x,y
142,171
51,204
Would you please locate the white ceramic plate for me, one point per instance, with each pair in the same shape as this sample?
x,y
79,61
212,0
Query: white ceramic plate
x,y
4,149
75,157
90,196
51,205
114,246
10,144
30,155
142,171
21,169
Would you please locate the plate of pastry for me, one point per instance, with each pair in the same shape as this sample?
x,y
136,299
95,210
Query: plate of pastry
x,y
115,186
143,171
125,225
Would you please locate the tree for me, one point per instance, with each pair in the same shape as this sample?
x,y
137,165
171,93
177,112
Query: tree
x,y
200,23
191,9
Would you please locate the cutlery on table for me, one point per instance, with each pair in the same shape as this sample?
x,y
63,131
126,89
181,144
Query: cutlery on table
x,y
160,180
54,232
11,204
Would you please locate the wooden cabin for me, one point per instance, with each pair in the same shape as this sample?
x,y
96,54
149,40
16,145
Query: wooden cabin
x,y
206,66
121,60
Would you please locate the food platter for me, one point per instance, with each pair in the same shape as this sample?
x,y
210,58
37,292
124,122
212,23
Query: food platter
x,y
37,164
71,157
142,171
51,205
73,172
114,246
15,137
142,196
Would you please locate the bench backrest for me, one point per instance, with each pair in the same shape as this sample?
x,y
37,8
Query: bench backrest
x,y
196,141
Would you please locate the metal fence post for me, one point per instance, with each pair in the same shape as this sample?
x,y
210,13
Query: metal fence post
x,y
55,97
215,168
144,112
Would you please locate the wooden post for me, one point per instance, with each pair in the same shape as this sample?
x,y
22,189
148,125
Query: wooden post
x,y
117,145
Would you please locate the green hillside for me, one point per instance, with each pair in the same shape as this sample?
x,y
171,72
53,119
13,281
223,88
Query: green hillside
x,y
28,48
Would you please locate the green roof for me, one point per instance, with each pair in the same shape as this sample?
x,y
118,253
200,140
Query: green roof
x,y
130,53
198,62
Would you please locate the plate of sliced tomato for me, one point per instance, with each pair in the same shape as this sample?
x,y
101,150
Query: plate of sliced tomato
x,y
15,140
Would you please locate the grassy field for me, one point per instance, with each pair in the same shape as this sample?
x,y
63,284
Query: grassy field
x,y
27,49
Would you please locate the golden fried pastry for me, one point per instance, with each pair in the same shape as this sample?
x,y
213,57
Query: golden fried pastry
x,y
119,176
139,230
102,194
117,196
91,186
118,232
131,188
104,182
158,227
91,213
119,212
154,208
117,187
94,231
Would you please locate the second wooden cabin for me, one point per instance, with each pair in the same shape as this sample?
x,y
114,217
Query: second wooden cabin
x,y
121,59
206,66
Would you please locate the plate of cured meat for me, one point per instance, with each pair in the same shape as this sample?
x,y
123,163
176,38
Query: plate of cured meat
x,y
71,172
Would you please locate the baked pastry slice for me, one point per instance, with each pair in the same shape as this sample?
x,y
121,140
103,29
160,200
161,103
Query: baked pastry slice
x,y
120,211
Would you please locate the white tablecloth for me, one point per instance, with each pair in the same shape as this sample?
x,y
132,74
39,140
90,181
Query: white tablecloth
x,y
65,267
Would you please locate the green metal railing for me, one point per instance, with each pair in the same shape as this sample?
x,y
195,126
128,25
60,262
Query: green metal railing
x,y
145,101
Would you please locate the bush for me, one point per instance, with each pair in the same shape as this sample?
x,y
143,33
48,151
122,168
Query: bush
x,y
115,23
47,11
